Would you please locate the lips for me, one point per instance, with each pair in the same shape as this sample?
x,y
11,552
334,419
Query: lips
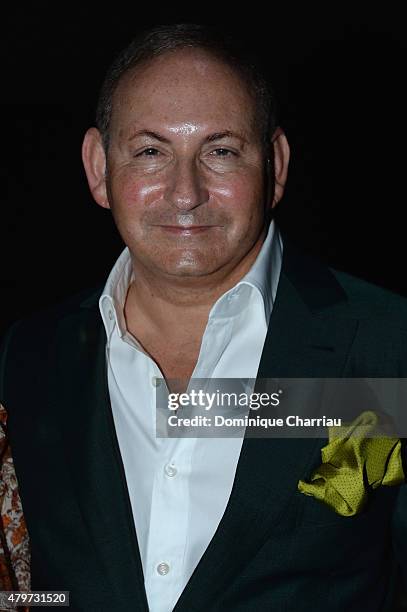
x,y
185,230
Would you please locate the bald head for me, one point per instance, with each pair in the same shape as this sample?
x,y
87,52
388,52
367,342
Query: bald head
x,y
159,41
184,91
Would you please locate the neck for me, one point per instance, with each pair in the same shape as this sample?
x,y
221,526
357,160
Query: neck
x,y
172,305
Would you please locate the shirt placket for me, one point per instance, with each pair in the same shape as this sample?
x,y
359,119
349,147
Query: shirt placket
x,y
169,521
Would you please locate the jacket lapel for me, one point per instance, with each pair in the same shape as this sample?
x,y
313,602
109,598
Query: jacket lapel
x,y
302,342
93,458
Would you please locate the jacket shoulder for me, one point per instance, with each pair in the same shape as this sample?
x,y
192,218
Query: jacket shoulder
x,y
29,342
41,319
368,300
326,289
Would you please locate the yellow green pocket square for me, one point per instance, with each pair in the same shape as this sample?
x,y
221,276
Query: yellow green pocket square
x,y
353,464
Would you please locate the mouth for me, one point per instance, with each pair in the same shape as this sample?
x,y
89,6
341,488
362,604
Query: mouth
x,y
182,230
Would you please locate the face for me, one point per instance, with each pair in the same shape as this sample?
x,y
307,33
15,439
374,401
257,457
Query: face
x,y
184,174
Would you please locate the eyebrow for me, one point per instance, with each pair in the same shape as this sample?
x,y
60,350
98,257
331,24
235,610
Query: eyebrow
x,y
210,138
225,134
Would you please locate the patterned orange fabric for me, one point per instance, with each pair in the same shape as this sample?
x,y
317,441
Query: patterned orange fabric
x,y
14,539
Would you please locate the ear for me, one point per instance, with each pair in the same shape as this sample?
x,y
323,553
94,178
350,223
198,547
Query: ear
x,y
94,161
281,150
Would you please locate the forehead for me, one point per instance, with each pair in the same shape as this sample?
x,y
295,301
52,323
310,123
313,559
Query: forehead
x,y
188,86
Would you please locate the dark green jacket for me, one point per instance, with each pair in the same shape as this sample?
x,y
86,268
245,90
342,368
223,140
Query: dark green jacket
x,y
275,549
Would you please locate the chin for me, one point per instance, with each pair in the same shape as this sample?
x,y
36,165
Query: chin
x,y
190,268
188,271
189,264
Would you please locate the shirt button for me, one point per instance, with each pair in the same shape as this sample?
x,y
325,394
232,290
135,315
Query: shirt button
x,y
110,315
170,470
155,381
163,568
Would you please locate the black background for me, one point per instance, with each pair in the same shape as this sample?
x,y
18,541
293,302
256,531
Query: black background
x,y
340,77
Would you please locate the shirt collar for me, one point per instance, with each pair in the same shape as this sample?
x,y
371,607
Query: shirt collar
x,y
265,272
260,282
263,277
112,300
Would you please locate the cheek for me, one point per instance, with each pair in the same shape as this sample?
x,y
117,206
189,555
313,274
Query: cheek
x,y
241,196
143,193
128,191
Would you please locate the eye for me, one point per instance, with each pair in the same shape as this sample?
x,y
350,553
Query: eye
x,y
223,152
150,152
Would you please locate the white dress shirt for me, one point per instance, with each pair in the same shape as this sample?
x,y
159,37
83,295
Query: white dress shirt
x,y
177,489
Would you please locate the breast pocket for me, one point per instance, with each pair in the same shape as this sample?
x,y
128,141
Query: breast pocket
x,y
334,543
379,506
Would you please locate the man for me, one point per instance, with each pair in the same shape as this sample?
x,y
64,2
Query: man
x,y
188,157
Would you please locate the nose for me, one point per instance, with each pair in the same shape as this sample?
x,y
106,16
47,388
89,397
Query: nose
x,y
186,188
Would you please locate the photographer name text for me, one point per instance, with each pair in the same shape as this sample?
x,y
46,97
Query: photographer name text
x,y
247,421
